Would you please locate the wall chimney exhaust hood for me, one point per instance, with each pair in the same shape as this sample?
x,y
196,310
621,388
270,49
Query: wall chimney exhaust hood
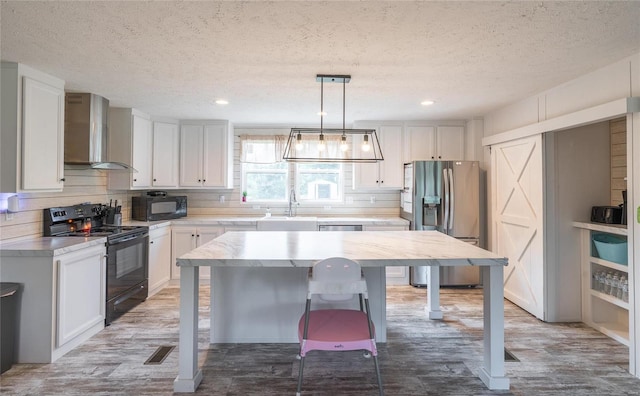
x,y
86,132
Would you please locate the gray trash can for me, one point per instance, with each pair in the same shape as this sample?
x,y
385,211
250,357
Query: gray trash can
x,y
8,323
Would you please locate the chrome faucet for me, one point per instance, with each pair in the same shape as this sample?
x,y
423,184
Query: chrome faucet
x,y
292,200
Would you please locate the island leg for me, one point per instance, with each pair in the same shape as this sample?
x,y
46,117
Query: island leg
x,y
189,376
493,374
433,293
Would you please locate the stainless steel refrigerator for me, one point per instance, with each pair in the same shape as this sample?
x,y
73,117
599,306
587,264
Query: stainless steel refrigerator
x,y
444,196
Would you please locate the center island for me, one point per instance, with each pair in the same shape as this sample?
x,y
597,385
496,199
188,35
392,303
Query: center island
x,y
260,278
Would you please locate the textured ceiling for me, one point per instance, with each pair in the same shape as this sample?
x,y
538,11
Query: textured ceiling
x,y
174,58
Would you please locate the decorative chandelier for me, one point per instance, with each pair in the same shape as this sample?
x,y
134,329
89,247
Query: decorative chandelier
x,y
332,144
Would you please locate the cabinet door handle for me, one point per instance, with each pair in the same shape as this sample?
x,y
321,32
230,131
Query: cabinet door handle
x,y
439,157
150,242
135,179
62,179
192,235
199,180
154,180
382,181
432,157
204,180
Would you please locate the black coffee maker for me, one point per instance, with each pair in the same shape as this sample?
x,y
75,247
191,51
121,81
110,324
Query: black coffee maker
x,y
624,207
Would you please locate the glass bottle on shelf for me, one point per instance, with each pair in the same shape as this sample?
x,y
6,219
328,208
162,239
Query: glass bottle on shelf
x,y
607,283
623,279
625,291
615,285
601,276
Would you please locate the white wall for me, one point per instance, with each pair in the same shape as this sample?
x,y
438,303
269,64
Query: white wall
x,y
597,96
601,86
577,177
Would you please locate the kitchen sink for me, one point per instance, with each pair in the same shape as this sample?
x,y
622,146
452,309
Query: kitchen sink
x,y
286,223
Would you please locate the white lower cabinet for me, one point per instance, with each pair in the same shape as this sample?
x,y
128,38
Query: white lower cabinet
x,y
159,258
186,238
81,292
62,302
394,275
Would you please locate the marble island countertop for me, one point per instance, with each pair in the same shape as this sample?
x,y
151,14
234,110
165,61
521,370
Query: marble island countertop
x,y
369,248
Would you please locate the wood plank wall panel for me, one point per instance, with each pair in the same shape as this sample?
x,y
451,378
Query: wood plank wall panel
x,y
87,185
618,130
207,202
81,185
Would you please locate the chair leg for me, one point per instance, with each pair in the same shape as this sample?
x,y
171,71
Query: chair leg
x,y
380,390
300,376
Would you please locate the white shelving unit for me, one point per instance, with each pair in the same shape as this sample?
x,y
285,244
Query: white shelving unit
x,y
605,313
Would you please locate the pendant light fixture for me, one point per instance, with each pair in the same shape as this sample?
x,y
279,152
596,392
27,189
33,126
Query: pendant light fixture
x,y
332,144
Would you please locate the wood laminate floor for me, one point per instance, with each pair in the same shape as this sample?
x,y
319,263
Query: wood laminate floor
x,y
421,357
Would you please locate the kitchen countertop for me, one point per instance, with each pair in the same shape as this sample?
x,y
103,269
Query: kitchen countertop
x,y
53,246
47,246
618,229
252,220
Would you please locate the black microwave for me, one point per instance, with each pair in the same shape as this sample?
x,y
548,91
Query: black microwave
x,y
152,208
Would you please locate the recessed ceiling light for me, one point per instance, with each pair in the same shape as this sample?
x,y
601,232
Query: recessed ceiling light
x,y
427,102
322,113
222,102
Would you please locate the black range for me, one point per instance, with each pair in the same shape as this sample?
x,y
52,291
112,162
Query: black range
x,y
127,252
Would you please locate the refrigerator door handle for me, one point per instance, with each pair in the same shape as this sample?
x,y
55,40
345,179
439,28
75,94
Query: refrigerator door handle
x,y
453,199
445,212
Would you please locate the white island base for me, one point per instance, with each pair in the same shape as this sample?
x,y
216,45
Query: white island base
x,y
263,305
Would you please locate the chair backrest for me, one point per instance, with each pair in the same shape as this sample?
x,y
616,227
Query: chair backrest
x,y
339,274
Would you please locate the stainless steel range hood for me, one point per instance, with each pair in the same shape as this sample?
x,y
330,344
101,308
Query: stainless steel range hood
x,y
86,132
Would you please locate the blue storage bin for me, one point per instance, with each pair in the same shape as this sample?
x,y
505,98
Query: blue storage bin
x,y
611,248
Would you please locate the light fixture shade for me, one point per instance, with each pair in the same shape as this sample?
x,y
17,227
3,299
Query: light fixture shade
x,y
321,144
299,144
344,146
333,141
365,144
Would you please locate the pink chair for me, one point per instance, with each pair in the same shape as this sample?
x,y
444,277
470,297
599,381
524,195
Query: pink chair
x,y
337,279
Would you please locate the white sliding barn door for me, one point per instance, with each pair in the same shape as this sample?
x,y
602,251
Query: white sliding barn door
x,y
517,188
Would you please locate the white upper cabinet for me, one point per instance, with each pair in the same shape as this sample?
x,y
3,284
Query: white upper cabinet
x,y
32,122
428,142
450,142
129,140
165,154
206,154
386,174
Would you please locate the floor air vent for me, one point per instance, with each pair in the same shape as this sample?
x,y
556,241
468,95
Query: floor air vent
x,y
509,357
159,355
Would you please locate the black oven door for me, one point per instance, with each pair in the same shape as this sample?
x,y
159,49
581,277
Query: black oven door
x,y
127,274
